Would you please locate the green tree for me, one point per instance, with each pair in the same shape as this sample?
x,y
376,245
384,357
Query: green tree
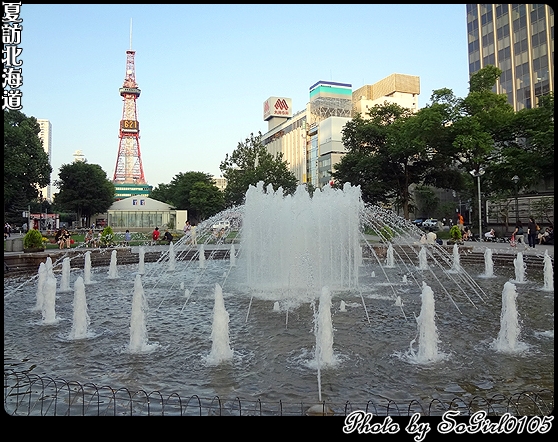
x,y
163,193
207,199
195,192
84,189
251,163
26,164
394,149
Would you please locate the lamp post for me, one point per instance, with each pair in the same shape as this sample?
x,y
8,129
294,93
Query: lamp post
x,y
515,179
478,175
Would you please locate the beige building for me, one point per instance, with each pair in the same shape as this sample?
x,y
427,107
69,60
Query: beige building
x,y
311,140
140,213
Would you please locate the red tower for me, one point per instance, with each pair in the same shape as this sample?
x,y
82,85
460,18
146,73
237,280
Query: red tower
x,y
129,169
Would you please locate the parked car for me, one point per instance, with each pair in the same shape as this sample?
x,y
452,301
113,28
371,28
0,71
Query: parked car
x,y
224,224
417,222
430,223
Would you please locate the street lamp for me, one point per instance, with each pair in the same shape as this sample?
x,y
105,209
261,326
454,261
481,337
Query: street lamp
x,y
515,179
478,175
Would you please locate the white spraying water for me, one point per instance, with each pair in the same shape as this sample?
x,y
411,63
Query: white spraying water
x,y
232,254
423,261
113,269
49,301
43,273
519,268
48,264
488,263
141,265
427,331
296,244
172,257
456,266
508,337
138,326
87,269
324,331
548,273
220,347
390,261
202,257
81,318
65,279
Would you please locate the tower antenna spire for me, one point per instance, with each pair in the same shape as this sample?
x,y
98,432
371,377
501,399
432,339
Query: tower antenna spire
x,y
130,34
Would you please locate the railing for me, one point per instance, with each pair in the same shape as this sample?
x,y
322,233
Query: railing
x,y
28,394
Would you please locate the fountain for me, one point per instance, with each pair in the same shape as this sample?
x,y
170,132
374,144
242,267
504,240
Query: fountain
x,y
87,269
508,337
141,265
113,269
220,348
294,253
548,273
81,318
427,331
65,280
40,286
519,266
49,301
488,264
172,257
456,267
138,326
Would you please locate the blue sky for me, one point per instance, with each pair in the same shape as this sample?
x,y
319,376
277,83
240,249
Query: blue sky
x,y
205,70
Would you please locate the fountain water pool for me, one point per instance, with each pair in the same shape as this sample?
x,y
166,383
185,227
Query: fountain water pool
x,y
271,319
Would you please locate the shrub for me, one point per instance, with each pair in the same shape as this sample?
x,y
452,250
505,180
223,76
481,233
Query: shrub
x,y
107,237
387,233
33,239
455,233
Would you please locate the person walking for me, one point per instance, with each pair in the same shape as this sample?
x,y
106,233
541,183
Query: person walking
x,y
532,232
460,222
518,233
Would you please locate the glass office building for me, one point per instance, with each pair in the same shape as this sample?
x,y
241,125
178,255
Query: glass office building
x,y
519,40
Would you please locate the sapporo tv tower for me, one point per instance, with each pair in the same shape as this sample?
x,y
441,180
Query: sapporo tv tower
x,y
129,179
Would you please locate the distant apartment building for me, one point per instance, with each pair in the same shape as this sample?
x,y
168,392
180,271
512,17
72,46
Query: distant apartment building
x,y
45,136
311,140
519,40
220,182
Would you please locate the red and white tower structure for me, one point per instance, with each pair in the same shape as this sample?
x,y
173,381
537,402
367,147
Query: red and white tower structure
x,y
129,169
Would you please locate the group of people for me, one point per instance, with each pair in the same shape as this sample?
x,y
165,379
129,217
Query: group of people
x,y
156,236
63,238
91,240
535,235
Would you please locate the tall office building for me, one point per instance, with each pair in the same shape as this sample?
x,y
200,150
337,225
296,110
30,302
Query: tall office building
x,y
45,136
518,39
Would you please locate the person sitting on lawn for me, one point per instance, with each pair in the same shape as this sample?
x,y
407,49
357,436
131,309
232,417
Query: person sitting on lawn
x,y
89,236
167,236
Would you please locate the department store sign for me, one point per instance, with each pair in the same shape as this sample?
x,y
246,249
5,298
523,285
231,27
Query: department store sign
x,y
277,107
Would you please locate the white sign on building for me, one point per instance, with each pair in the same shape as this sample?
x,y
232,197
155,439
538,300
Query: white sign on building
x,y
278,107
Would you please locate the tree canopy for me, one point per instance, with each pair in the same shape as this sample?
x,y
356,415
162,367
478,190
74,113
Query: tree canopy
x,y
195,192
391,149
84,189
26,164
251,163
